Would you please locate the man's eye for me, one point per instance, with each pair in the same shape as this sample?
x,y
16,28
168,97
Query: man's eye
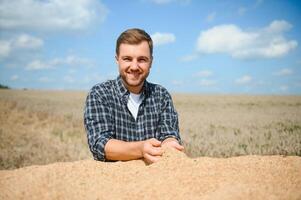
x,y
142,60
126,59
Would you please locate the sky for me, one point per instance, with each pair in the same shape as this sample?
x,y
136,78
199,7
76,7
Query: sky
x,y
209,47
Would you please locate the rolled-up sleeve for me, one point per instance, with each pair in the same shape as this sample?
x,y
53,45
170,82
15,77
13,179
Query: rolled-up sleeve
x,y
98,123
168,125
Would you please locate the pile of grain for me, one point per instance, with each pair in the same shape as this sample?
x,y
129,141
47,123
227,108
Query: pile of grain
x,y
175,176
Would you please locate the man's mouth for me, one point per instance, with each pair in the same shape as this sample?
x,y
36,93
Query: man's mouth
x,y
135,75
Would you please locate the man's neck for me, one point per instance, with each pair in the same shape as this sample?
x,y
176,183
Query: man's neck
x,y
133,89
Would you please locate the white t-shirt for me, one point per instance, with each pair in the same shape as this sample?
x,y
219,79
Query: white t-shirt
x,y
134,103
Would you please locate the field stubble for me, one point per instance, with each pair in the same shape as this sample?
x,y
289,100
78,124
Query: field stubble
x,y
41,127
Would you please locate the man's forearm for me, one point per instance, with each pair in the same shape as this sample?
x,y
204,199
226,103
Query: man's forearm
x,y
121,150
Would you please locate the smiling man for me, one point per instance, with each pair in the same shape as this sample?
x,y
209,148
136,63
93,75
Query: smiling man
x,y
129,118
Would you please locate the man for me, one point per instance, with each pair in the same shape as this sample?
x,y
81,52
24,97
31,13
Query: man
x,y
129,118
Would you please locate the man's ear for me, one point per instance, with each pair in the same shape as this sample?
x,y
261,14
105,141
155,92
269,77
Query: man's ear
x,y
151,62
116,59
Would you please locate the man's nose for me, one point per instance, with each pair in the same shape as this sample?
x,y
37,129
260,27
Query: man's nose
x,y
134,65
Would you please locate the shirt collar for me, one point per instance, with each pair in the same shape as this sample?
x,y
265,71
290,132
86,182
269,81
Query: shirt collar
x,y
120,87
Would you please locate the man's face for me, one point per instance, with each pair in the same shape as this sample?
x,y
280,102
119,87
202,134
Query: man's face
x,y
134,64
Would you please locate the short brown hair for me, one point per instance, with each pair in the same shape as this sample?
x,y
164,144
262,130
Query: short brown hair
x,y
134,36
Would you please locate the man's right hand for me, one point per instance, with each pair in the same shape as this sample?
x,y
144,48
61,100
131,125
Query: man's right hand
x,y
151,150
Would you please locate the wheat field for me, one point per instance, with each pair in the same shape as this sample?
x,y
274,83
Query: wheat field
x,y
42,127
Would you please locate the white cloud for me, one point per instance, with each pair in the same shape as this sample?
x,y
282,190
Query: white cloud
x,y
189,58
50,15
211,17
163,38
14,77
284,72
38,65
21,42
71,60
278,26
204,73
244,80
268,42
207,83
56,62
25,41
5,49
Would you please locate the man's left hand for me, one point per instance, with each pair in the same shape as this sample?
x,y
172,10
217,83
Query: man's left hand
x,y
172,143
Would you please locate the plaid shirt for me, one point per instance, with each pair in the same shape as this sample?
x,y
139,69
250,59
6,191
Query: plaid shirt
x,y
108,117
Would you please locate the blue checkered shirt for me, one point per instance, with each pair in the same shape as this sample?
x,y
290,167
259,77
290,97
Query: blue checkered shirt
x,y
108,117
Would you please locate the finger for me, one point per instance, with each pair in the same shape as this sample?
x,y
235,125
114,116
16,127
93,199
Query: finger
x,y
155,142
156,151
174,145
151,159
178,147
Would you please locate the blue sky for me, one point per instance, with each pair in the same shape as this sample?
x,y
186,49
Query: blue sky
x,y
236,47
